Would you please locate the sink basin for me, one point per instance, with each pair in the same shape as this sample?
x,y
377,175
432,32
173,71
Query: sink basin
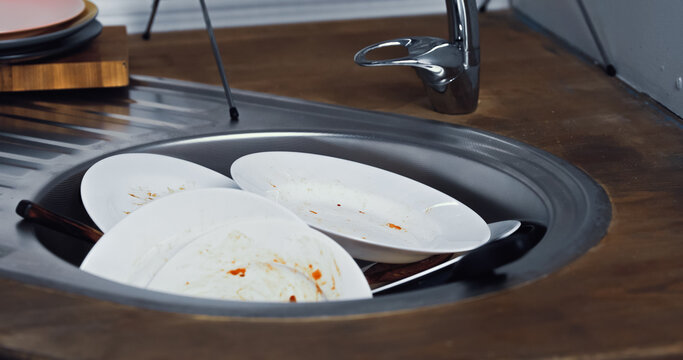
x,y
497,177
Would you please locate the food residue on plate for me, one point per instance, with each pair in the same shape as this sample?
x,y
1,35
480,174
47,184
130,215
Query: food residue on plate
x,y
316,274
144,195
313,212
239,271
336,266
394,226
292,298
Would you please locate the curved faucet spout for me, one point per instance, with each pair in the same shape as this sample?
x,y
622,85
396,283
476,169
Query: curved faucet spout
x,y
436,61
448,69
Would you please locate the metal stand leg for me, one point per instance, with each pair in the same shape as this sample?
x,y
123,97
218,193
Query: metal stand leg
x,y
234,115
145,35
609,68
482,8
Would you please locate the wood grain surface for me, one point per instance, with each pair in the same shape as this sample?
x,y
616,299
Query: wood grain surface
x,y
102,63
621,300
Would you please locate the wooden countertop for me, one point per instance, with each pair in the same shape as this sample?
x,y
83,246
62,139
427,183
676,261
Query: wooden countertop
x,y
623,299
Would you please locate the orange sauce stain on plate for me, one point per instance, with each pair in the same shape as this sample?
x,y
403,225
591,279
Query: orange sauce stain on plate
x,y
317,274
394,226
239,271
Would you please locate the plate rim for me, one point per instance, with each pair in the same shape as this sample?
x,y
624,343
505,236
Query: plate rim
x,y
13,44
55,22
65,44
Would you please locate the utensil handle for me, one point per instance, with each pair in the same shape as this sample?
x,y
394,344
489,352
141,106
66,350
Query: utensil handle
x,y
478,263
38,214
381,273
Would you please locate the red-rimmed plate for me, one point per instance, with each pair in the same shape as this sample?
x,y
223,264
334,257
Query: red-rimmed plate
x,y
24,15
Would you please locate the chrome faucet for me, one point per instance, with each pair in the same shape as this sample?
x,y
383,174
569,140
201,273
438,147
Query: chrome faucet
x,y
448,69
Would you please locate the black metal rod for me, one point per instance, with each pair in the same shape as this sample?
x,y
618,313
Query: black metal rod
x,y
609,68
148,30
234,115
483,7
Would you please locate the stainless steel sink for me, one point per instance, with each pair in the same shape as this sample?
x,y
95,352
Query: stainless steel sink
x,y
48,140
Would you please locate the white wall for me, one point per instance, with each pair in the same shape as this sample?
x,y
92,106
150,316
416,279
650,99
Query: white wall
x,y
186,14
643,39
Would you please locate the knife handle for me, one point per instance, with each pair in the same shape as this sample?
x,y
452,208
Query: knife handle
x,y
40,215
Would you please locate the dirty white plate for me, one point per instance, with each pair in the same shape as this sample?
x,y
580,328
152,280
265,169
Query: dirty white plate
x,y
118,185
376,215
254,260
200,243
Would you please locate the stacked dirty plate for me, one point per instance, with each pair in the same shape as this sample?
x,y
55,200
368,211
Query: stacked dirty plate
x,y
36,29
176,227
287,228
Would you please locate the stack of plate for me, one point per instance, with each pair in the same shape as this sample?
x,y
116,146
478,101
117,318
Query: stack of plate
x,y
36,29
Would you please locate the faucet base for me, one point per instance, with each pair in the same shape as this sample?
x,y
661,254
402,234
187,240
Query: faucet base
x,y
459,96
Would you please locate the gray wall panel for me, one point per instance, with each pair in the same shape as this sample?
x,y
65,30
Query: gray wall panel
x,y
643,39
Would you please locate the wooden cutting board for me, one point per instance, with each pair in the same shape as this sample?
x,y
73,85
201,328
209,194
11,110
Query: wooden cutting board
x,y
102,63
